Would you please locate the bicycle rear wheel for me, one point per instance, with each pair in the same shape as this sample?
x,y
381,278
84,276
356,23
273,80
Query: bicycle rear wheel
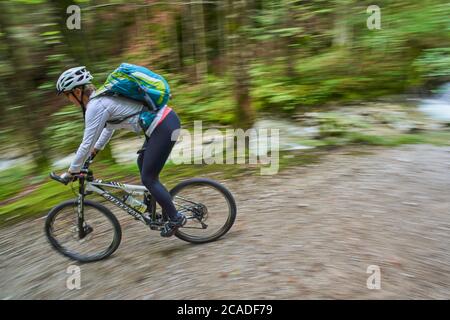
x,y
209,207
103,231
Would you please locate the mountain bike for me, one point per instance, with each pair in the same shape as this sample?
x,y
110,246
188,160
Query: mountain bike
x,y
87,231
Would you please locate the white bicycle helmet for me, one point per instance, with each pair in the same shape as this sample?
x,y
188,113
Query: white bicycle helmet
x,y
72,78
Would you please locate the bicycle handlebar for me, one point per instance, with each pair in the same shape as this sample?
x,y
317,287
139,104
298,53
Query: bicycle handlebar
x,y
54,176
82,173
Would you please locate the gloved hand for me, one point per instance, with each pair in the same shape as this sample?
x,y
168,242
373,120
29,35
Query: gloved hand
x,y
67,177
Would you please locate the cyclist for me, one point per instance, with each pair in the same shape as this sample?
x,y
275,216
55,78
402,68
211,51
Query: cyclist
x,y
100,112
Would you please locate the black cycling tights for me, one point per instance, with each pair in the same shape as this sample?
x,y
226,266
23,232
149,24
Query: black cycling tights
x,y
151,160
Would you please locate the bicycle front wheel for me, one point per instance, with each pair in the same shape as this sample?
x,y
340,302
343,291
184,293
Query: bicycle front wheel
x,y
209,207
102,231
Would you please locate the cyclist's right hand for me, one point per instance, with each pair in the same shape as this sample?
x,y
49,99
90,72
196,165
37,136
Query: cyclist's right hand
x,y
65,178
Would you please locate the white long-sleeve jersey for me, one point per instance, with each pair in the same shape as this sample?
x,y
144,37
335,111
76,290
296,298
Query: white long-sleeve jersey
x,y
97,131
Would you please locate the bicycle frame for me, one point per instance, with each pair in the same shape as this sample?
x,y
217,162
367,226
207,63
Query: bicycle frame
x,y
87,185
96,185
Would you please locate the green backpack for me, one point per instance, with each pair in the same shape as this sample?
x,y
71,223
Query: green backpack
x,y
141,84
138,83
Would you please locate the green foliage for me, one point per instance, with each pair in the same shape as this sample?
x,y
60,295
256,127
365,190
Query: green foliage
x,y
322,79
30,1
211,101
434,63
65,131
12,181
38,201
273,91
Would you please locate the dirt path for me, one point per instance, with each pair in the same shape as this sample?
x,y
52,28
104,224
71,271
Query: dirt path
x,y
309,232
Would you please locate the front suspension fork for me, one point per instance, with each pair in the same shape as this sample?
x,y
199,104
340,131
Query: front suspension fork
x,y
80,210
80,216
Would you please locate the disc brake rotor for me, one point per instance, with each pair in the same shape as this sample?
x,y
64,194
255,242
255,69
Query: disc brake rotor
x,y
200,212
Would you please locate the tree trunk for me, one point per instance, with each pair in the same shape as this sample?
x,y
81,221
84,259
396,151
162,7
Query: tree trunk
x,y
75,40
245,114
222,36
290,42
20,91
187,41
341,38
201,63
172,36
